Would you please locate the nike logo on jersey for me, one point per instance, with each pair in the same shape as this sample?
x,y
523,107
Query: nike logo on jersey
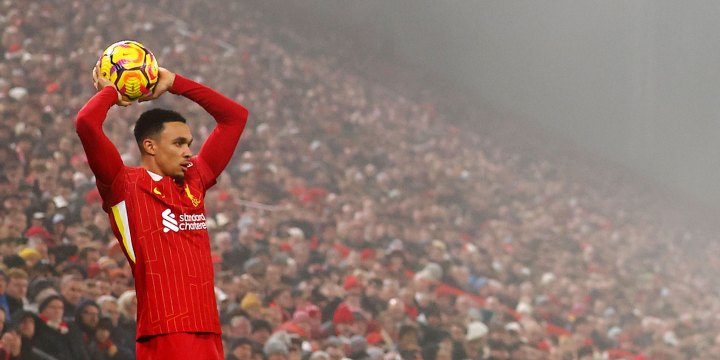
x,y
157,192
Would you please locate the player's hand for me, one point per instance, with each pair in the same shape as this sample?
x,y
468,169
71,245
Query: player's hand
x,y
101,82
166,78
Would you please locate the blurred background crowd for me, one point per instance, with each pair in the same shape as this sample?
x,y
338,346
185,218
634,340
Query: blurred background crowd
x,y
361,218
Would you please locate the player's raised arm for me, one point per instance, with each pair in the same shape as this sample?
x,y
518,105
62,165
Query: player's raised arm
x,y
103,158
229,115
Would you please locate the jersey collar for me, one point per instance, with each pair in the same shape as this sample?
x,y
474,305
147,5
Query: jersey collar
x,y
154,176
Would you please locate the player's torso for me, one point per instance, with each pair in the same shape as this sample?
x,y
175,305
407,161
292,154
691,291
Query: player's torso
x,y
164,213
168,248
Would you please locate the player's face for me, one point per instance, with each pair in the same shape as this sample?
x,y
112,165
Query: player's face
x,y
172,153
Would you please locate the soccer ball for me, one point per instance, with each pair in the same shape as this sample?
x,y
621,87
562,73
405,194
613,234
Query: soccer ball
x,y
131,67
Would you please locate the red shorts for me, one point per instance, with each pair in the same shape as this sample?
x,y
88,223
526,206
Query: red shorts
x,y
196,346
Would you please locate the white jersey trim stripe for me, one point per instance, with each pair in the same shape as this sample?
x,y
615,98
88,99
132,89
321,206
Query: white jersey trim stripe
x,y
121,220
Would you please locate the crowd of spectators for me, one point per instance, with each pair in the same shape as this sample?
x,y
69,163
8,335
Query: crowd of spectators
x,y
354,222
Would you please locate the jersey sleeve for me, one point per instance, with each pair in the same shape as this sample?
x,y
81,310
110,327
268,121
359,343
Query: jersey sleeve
x,y
103,158
205,174
230,116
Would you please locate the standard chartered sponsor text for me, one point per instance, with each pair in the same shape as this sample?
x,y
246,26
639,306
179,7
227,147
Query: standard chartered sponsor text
x,y
192,222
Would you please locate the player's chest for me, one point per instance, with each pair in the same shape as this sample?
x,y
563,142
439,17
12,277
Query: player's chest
x,y
171,207
186,197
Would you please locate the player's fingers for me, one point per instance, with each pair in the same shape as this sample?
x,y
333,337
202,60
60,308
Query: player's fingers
x,y
121,101
150,96
145,97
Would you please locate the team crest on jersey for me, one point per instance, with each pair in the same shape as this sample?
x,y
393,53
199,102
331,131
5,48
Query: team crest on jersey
x,y
195,201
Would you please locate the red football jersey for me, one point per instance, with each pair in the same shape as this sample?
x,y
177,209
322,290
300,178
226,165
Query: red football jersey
x,y
161,226
160,222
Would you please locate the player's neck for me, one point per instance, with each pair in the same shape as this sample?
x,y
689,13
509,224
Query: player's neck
x,y
149,164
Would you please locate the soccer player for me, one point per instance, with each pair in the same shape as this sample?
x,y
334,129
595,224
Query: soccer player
x,y
157,212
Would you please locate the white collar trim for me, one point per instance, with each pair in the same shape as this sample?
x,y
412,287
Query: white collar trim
x,y
154,176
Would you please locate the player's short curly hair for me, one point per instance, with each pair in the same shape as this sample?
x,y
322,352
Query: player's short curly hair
x,y
151,123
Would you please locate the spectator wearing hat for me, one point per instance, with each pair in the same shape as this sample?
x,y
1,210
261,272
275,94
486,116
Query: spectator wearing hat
x,y
357,348
312,316
31,256
255,268
276,349
476,340
38,244
334,347
52,334
342,321
38,232
59,228
303,319
354,288
38,290
251,302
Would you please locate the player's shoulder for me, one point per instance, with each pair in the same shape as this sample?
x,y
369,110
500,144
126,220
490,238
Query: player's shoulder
x,y
199,171
133,175
135,172
197,165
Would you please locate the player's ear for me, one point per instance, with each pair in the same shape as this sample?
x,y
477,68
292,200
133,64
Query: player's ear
x,y
149,146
